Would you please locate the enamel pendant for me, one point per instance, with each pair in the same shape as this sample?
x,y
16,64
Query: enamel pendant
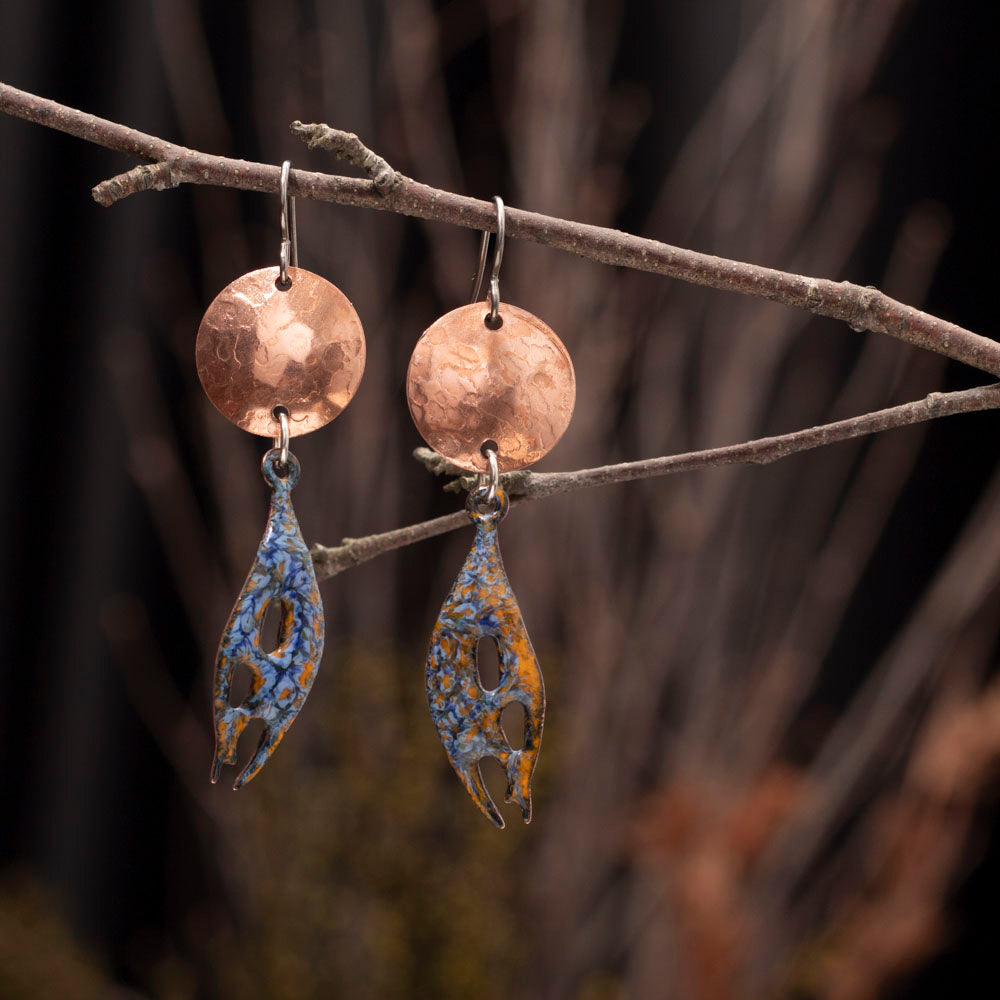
x,y
280,352
491,392
467,716
280,678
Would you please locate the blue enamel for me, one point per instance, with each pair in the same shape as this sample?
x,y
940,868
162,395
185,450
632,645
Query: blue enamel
x,y
280,679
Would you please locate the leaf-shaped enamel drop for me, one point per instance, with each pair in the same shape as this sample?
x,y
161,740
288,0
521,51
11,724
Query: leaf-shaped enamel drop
x,y
481,604
280,679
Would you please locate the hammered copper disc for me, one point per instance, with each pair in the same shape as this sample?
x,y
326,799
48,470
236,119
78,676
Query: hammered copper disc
x,y
468,384
260,347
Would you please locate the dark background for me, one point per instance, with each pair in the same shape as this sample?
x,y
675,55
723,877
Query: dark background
x,y
770,759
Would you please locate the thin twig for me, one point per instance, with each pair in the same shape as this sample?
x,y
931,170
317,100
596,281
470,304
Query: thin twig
x,y
348,147
145,177
512,482
862,308
535,485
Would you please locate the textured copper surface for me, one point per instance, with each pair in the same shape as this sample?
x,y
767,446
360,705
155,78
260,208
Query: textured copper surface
x,y
260,347
468,384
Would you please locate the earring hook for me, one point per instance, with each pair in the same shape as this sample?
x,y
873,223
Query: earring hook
x,y
289,232
497,258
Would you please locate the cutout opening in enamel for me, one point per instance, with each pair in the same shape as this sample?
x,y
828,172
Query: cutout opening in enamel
x,y
488,663
513,721
270,625
240,684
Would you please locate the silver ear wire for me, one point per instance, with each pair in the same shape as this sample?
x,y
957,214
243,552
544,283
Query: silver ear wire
x,y
497,258
289,233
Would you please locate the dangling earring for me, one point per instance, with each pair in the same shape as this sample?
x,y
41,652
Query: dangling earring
x,y
280,352
492,393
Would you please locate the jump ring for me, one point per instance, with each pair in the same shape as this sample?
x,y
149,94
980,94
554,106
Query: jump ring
x,y
281,442
491,480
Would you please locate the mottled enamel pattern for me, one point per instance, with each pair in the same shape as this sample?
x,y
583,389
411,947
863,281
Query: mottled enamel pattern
x,y
280,679
481,604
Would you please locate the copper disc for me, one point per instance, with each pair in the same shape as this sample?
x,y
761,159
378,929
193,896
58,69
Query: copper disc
x,y
468,384
260,347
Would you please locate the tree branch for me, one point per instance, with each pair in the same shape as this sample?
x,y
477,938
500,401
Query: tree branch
x,y
861,308
524,485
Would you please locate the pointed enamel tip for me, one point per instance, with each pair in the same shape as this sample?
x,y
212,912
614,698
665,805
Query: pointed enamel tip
x,y
269,739
245,776
524,803
472,778
216,769
518,779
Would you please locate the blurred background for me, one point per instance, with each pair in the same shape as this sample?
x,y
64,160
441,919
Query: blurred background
x,y
771,751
